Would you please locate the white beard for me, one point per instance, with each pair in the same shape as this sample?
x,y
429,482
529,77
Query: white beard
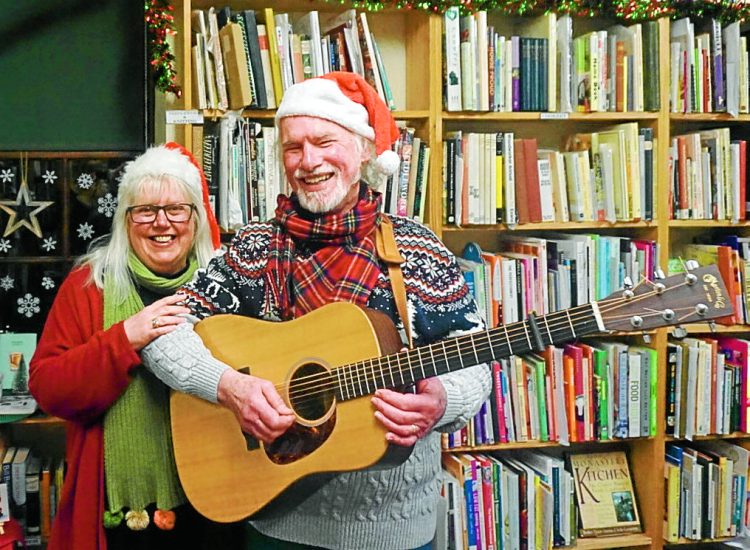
x,y
325,200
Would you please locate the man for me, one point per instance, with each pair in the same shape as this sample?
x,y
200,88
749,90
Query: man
x,y
320,248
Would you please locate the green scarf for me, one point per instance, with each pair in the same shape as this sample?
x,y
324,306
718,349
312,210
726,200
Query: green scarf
x,y
139,463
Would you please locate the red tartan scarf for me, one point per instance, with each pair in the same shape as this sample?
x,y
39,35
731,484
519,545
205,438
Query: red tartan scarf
x,y
337,260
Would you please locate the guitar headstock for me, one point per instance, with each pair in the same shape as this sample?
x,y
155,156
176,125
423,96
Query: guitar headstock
x,y
696,296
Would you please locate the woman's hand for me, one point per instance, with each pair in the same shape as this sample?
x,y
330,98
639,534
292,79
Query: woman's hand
x,y
159,318
409,417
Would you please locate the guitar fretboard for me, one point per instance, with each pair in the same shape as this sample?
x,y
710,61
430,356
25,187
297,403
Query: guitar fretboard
x,y
533,335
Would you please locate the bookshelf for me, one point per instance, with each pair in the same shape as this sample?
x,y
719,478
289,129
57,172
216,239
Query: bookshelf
x,y
412,45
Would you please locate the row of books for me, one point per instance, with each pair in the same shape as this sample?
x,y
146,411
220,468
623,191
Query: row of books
x,y
534,499
559,271
539,66
405,192
707,386
708,68
497,178
245,174
593,391
243,171
247,58
705,486
708,176
30,488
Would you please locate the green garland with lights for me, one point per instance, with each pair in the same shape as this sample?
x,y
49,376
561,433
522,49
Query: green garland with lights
x,y
160,21
159,25
634,10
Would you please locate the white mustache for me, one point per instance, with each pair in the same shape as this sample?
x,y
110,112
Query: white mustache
x,y
301,174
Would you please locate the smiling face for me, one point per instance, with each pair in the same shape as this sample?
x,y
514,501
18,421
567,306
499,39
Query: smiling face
x,y
322,162
163,246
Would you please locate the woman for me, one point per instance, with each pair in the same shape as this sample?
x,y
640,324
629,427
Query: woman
x,y
86,370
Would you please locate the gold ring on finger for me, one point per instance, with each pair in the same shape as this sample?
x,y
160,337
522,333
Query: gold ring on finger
x,y
155,322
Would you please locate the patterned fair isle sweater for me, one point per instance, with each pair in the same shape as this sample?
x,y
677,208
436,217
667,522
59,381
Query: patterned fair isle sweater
x,y
376,508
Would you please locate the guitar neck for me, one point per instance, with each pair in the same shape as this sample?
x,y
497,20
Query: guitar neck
x,y
532,335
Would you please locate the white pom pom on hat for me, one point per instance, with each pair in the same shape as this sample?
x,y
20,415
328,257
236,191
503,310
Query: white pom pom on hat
x,y
348,100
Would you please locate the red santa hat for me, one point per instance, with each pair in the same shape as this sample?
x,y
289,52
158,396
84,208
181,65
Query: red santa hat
x,y
348,100
172,159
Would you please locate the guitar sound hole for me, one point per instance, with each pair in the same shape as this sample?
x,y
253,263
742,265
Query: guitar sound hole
x,y
311,392
311,395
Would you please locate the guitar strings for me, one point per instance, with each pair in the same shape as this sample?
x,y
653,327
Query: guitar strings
x,y
513,330
453,343
329,384
361,373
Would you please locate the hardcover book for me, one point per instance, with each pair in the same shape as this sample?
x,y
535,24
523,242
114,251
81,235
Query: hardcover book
x,y
604,493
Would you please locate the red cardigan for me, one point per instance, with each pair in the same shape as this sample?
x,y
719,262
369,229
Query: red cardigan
x,y
77,373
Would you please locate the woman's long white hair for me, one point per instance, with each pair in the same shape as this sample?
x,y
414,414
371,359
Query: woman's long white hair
x,y
108,255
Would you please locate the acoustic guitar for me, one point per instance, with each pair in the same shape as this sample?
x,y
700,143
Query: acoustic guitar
x,y
327,363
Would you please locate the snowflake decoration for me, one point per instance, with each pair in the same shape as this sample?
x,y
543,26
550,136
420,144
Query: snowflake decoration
x,y
49,177
85,231
6,175
5,245
7,282
85,181
49,244
28,305
48,283
107,205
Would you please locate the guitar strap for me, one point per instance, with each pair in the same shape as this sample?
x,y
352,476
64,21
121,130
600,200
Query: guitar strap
x,y
385,244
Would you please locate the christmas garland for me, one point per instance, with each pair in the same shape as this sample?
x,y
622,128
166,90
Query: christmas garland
x,y
635,10
160,21
159,25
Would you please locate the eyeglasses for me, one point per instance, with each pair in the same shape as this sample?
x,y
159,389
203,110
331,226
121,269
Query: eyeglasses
x,y
147,213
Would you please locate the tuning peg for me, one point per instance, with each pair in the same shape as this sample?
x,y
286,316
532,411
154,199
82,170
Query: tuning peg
x,y
692,264
679,332
646,338
627,283
712,326
659,273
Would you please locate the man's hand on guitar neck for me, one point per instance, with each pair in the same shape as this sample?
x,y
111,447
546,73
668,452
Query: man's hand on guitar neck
x,y
410,416
257,405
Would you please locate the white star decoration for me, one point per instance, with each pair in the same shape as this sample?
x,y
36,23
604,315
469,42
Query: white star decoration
x,y
5,245
28,305
85,231
49,244
85,181
49,177
6,283
6,175
48,283
28,219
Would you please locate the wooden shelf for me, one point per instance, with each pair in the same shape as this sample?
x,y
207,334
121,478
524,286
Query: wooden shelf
x,y
710,437
541,444
42,421
551,226
703,328
708,117
685,542
707,223
34,259
461,116
621,541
